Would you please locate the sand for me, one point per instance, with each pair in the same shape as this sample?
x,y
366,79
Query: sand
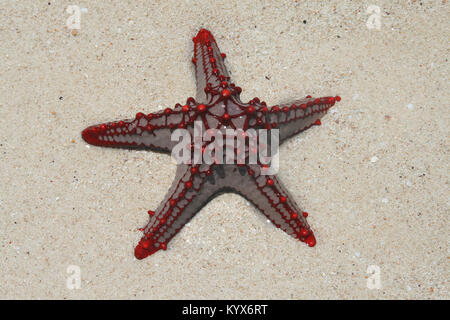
x,y
374,177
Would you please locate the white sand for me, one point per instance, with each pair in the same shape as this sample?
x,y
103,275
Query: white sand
x,y
374,176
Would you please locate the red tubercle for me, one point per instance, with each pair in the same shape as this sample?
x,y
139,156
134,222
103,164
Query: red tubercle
x,y
188,184
204,37
151,213
269,182
146,243
318,122
190,100
144,249
311,240
305,214
304,232
294,216
194,170
201,108
226,93
139,115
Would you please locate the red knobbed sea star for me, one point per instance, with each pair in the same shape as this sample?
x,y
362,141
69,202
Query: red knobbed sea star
x,y
217,105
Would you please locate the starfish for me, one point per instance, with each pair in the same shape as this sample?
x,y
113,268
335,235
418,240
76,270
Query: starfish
x,y
218,106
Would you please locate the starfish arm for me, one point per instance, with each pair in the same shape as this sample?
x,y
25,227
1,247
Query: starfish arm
x,y
190,191
195,185
299,115
152,131
210,70
268,194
